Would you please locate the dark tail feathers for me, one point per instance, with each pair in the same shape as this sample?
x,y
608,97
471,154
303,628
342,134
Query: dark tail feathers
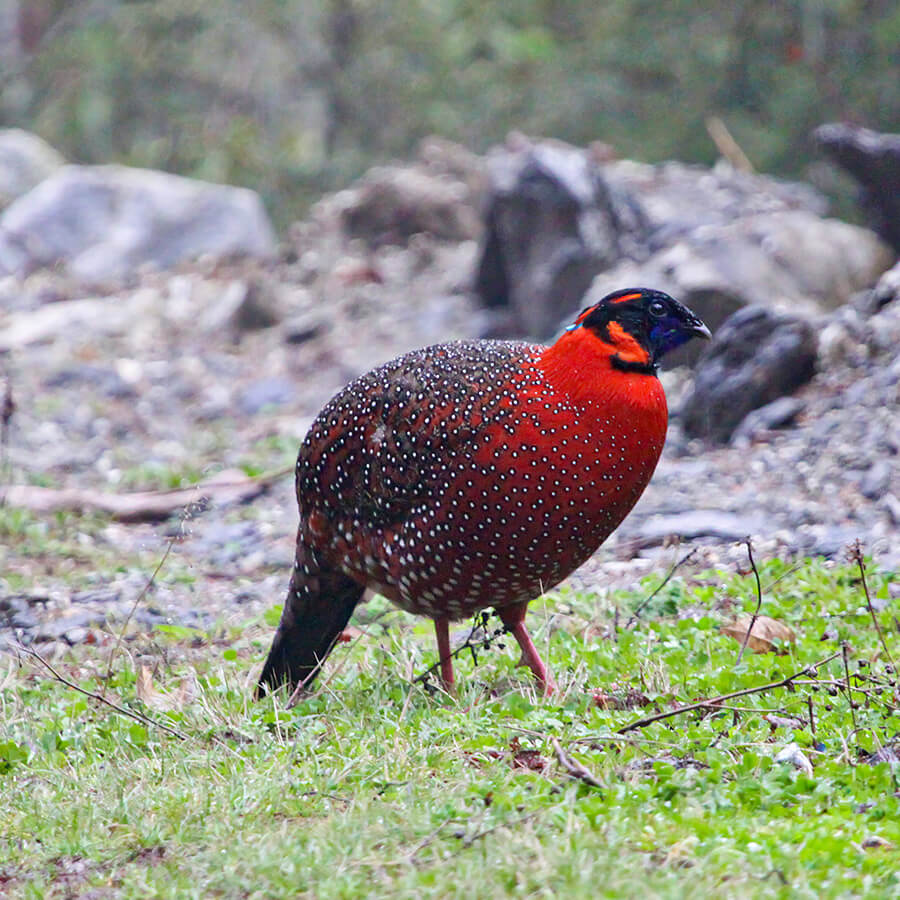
x,y
318,606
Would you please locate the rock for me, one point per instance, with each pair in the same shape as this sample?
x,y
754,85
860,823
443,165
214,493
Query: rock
x,y
756,356
25,161
796,757
773,415
303,327
265,392
73,318
105,380
15,612
103,222
877,479
552,222
887,290
558,219
787,259
891,504
677,199
830,541
392,203
696,523
242,306
873,159
72,629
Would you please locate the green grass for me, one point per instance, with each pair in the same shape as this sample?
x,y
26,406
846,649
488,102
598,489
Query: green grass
x,y
375,786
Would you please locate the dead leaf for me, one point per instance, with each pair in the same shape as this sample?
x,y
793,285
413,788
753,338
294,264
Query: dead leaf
x,y
229,486
766,632
874,842
163,701
523,758
618,697
143,686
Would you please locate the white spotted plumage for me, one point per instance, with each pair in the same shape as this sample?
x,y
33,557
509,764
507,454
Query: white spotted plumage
x,y
458,477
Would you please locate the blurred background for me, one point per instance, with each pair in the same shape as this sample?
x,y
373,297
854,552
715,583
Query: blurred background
x,y
298,97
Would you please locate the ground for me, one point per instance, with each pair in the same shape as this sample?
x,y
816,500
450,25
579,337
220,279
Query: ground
x,y
378,780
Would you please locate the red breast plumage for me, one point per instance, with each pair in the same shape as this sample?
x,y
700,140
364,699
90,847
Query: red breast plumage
x,y
475,474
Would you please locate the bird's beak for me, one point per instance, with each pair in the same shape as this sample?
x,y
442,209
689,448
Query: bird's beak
x,y
698,329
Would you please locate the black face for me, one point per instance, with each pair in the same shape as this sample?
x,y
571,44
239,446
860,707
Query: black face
x,y
658,322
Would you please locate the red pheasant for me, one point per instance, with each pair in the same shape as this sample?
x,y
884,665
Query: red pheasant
x,y
476,474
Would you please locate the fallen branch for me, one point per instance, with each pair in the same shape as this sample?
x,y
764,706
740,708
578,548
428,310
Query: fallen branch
x,y
572,766
230,486
714,701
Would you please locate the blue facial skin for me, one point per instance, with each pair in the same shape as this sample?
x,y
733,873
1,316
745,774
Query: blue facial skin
x,y
668,333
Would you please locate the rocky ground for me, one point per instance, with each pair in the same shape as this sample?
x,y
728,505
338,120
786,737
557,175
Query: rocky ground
x,y
177,375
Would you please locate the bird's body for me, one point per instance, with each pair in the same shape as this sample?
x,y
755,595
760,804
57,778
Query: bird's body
x,y
469,475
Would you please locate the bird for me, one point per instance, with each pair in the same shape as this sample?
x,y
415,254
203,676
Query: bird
x,y
475,474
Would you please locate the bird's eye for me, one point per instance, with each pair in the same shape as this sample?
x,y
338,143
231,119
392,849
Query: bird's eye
x,y
657,308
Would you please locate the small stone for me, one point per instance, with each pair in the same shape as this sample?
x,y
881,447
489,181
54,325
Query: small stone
x,y
891,503
796,757
877,480
776,414
302,328
72,629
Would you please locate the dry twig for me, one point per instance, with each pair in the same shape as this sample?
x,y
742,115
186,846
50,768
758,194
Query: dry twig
x,y
848,687
131,714
134,606
714,701
758,601
572,766
484,642
856,555
674,568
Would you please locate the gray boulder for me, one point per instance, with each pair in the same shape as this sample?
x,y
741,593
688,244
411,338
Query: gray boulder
x,y
757,356
785,259
25,161
103,222
552,222
873,159
564,227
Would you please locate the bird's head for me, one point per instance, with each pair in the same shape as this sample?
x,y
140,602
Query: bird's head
x,y
639,326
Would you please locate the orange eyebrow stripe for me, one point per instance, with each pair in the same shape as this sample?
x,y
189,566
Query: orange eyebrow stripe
x,y
627,348
626,298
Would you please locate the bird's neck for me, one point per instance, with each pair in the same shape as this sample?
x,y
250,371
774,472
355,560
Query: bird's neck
x,y
589,372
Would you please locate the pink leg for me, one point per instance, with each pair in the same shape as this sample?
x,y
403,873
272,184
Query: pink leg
x,y
442,631
513,617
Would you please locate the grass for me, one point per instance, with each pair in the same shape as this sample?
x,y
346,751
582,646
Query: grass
x,y
377,786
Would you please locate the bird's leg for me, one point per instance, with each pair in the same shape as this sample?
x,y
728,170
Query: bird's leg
x,y
442,631
513,617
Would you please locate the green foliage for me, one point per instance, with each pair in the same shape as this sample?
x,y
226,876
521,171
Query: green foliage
x,y
374,785
292,97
